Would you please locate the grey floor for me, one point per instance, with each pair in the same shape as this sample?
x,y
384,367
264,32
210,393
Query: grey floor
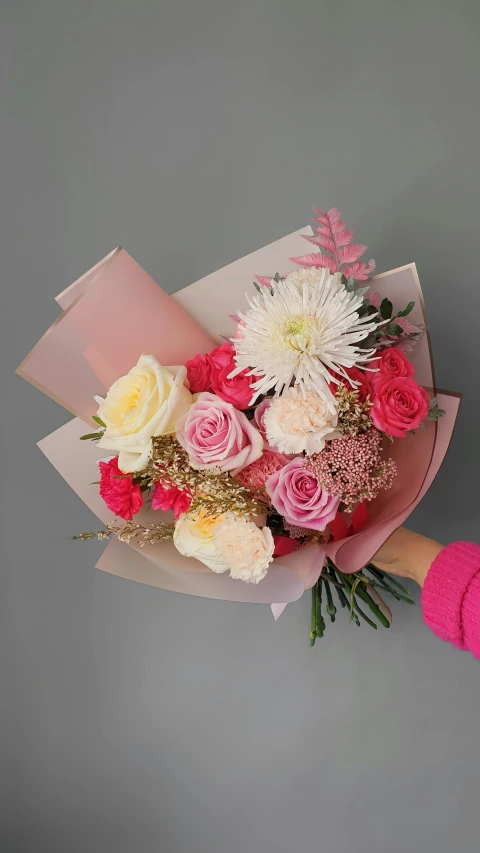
x,y
135,720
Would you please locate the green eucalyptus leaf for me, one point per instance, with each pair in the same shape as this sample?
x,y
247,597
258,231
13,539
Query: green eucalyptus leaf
x,y
406,310
386,309
394,329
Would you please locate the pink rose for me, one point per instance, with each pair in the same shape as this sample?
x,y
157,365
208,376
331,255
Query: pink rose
x,y
391,364
118,491
298,497
237,391
399,405
198,373
216,435
167,497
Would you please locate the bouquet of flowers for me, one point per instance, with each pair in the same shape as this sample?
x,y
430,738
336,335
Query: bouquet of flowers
x,y
256,454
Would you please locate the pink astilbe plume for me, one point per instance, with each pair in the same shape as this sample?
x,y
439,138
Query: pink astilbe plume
x,y
337,252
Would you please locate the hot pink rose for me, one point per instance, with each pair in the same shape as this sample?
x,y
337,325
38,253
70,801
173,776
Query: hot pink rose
x,y
391,364
399,405
118,491
216,435
237,391
198,373
297,496
170,498
364,386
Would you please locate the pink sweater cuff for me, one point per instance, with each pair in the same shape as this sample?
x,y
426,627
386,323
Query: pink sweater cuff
x,y
451,596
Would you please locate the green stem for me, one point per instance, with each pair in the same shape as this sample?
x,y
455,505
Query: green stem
x,y
381,576
313,634
319,620
330,607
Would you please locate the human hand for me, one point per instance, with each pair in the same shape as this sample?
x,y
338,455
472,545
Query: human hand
x,y
407,554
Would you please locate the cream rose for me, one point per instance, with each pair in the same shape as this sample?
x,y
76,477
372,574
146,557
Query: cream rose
x,y
299,423
148,401
193,537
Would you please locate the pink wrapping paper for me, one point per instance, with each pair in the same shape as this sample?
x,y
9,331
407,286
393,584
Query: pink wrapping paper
x,y
114,313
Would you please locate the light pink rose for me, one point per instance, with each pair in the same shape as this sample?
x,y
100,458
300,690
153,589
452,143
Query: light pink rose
x,y
298,497
216,435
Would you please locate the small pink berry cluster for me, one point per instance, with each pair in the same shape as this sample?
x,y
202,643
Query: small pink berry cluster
x,y
352,468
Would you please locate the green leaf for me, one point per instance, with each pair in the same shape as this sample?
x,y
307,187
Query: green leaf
x,y
91,436
257,286
277,277
406,310
99,421
386,309
350,285
394,329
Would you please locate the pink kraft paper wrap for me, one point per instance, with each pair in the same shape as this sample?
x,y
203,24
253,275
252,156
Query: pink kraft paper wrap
x,y
114,313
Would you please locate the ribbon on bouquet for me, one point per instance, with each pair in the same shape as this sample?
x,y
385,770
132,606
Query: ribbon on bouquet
x,y
339,529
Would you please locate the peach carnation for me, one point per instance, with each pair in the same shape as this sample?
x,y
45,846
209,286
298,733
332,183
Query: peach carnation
x,y
246,549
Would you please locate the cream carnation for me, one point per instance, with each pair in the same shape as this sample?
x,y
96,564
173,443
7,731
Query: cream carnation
x,y
300,423
147,402
246,549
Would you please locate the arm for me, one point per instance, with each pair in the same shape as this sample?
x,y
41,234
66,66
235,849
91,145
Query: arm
x,y
450,581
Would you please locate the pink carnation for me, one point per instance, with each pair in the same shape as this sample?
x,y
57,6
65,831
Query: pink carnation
x,y
167,497
254,476
118,491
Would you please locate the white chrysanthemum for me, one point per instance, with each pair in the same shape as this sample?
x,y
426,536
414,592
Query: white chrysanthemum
x,y
299,330
246,549
300,423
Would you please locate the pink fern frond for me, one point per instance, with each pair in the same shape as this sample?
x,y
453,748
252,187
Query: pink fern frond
x,y
359,271
343,238
350,254
324,242
316,260
264,280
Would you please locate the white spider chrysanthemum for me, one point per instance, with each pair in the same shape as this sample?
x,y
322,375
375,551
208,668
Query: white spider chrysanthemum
x,y
299,330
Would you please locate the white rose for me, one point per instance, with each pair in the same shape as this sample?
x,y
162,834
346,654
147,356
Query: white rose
x,y
147,402
193,537
297,423
245,548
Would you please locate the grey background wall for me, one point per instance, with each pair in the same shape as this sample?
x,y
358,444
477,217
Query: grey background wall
x,y
193,133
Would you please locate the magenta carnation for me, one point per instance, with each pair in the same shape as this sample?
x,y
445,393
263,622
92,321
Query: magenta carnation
x,y
167,497
118,491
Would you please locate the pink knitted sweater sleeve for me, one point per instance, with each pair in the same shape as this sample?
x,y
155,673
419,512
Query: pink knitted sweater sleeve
x,y
451,596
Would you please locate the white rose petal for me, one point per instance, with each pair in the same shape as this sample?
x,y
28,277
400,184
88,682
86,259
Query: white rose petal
x,y
148,401
193,537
